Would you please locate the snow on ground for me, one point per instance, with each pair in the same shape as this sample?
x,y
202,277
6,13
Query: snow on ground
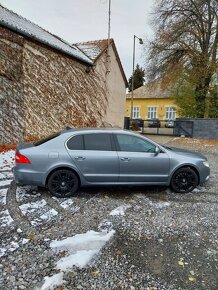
x,y
80,250
12,246
6,175
156,204
3,193
31,207
53,281
5,218
67,204
45,217
120,210
24,192
39,207
5,182
7,160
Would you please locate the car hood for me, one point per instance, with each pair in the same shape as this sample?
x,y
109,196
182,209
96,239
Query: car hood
x,y
185,152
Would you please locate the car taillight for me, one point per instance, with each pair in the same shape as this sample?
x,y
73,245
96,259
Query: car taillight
x,y
19,158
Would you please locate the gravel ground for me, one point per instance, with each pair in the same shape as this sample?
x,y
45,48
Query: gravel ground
x,y
162,240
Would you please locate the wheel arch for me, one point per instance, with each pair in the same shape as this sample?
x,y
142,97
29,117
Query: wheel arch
x,y
61,168
185,166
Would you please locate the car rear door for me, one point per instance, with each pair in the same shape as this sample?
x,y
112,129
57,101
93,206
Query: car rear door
x,y
139,162
95,156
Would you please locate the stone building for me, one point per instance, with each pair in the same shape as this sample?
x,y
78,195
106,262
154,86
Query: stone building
x,y
47,84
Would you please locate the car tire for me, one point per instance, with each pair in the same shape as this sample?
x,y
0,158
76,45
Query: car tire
x,y
184,180
63,183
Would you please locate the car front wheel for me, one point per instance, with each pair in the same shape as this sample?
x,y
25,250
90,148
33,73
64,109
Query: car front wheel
x,y
63,183
184,180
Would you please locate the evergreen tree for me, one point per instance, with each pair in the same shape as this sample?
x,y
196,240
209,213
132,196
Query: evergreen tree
x,y
139,74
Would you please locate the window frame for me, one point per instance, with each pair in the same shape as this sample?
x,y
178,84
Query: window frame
x,y
170,110
152,112
134,112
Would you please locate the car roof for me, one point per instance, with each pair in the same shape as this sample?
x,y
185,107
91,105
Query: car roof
x,y
70,130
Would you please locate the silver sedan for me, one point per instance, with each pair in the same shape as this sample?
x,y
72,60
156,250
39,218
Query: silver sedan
x,y
73,158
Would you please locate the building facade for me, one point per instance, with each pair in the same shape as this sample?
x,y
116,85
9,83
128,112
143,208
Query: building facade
x,y
151,101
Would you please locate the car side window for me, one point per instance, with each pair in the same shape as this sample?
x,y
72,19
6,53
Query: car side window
x,y
134,144
76,143
98,141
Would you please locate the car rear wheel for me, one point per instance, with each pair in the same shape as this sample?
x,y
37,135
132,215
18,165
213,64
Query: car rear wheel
x,y
63,183
184,180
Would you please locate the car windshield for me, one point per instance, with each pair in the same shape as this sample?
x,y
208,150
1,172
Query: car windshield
x,y
46,139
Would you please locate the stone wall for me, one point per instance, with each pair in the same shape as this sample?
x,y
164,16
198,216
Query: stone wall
x,y
43,90
11,87
60,91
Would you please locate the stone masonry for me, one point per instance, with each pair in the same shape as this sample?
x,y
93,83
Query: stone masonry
x,y
42,90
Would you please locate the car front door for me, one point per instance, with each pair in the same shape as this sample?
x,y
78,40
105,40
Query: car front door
x,y
95,157
139,161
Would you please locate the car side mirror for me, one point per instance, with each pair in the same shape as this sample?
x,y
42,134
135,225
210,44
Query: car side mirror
x,y
157,151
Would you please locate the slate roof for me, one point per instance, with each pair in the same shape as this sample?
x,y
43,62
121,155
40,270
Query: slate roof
x,y
25,27
94,49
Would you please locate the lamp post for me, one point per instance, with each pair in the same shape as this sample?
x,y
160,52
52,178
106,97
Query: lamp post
x,y
133,68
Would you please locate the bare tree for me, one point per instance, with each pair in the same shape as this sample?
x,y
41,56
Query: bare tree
x,y
186,43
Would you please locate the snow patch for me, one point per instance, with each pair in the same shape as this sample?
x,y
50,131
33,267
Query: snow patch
x,y
24,192
79,259
105,226
120,210
5,182
47,216
7,160
81,248
67,203
3,193
53,281
5,219
32,206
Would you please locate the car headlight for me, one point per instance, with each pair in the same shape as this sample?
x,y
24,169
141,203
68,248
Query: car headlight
x,y
206,163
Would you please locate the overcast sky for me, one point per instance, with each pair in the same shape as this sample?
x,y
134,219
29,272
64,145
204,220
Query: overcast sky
x,y
84,20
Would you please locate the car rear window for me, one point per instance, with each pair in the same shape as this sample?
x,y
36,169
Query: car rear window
x,y
46,139
76,143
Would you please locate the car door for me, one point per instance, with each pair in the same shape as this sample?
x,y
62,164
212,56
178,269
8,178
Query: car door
x,y
139,162
95,156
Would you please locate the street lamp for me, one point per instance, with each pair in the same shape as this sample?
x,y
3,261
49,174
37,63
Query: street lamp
x,y
133,68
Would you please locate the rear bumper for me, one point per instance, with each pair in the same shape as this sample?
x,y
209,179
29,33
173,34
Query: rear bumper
x,y
28,177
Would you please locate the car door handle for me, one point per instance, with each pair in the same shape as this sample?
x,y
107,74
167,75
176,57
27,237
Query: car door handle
x,y
126,159
80,158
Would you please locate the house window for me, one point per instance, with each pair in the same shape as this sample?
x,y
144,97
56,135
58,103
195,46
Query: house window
x,y
136,112
170,113
152,112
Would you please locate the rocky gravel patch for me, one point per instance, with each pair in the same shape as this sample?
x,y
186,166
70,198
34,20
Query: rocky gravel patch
x,y
161,240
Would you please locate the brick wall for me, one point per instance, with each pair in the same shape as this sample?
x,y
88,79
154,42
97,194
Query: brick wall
x,y
43,90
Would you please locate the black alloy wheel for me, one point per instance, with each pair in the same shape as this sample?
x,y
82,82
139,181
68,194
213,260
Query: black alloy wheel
x,y
63,183
184,180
